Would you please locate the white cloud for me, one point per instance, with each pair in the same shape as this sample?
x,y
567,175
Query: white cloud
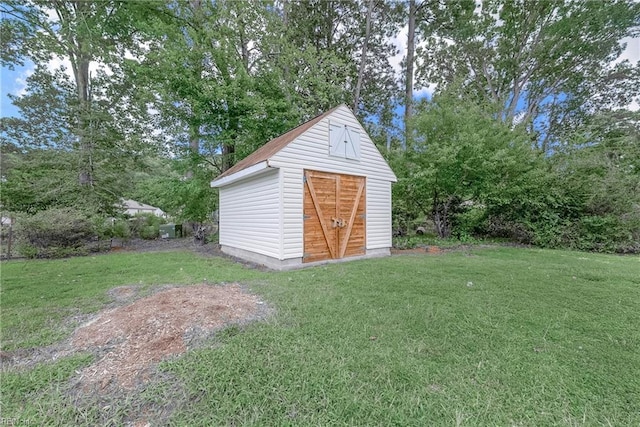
x,y
20,83
400,42
631,52
52,15
57,63
425,91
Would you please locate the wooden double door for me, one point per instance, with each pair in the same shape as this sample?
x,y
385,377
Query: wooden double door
x,y
334,216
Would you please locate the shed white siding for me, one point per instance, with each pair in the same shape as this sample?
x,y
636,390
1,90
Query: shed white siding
x,y
292,208
250,214
311,151
378,214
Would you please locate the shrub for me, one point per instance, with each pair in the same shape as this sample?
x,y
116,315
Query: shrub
x,y
54,233
502,228
121,229
410,242
146,226
468,221
597,233
149,232
27,250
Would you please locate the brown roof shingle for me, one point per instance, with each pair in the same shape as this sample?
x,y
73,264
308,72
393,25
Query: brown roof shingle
x,y
272,147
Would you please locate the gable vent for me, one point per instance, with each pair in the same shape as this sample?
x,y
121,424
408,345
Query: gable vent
x,y
344,141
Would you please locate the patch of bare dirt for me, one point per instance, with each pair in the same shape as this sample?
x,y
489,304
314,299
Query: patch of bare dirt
x,y
438,250
183,317
130,340
123,293
430,250
133,338
157,245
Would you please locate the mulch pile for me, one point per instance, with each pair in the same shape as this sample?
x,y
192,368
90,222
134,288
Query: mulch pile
x,y
130,340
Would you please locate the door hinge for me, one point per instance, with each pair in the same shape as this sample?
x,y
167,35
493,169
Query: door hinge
x,y
363,216
305,217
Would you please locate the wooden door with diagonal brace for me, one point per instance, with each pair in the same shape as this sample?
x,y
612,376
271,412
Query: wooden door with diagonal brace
x,y
334,216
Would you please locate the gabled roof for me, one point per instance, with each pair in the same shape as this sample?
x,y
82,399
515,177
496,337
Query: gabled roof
x,y
272,147
134,204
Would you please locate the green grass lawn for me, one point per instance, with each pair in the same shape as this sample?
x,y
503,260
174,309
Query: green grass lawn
x,y
497,337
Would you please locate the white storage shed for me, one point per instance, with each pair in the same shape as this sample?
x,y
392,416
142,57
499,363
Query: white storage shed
x,y
320,192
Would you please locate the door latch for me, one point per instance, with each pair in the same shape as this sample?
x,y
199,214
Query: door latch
x,y
338,222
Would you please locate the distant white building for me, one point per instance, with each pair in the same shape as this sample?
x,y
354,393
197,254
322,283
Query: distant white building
x,y
133,207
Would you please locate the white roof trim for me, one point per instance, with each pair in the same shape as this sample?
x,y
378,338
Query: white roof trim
x,y
242,174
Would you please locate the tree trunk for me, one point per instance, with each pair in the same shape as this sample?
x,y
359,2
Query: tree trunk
x,y
363,57
227,156
10,237
441,213
408,95
442,226
229,148
84,134
442,218
286,72
244,48
80,58
194,149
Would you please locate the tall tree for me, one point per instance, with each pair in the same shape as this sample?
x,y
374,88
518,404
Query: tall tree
x,y
409,63
215,87
423,19
332,58
92,108
541,61
218,94
363,56
600,172
461,157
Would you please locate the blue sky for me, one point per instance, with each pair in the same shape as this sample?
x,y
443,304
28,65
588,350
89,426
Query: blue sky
x,y
12,82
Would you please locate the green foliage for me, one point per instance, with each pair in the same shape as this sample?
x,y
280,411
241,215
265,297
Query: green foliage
x,y
27,250
473,175
469,220
103,227
586,196
149,232
121,229
407,242
545,64
461,156
224,77
218,99
40,179
93,125
165,185
146,225
52,233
